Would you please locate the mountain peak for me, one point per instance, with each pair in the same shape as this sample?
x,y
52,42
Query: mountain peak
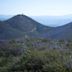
x,y
20,16
25,24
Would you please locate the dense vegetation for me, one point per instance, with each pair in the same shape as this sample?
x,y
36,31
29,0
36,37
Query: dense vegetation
x,y
35,55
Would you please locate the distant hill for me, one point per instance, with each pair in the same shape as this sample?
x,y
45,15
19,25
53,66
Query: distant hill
x,y
62,32
19,26
26,24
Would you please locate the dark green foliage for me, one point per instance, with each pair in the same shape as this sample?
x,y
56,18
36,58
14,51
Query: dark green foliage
x,y
35,55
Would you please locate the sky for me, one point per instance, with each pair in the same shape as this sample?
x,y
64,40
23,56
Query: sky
x,y
36,7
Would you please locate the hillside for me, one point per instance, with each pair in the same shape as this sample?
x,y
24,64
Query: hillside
x,y
62,32
20,25
7,32
35,55
25,24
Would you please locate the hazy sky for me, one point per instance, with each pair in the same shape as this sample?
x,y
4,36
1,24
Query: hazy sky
x,y
36,7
